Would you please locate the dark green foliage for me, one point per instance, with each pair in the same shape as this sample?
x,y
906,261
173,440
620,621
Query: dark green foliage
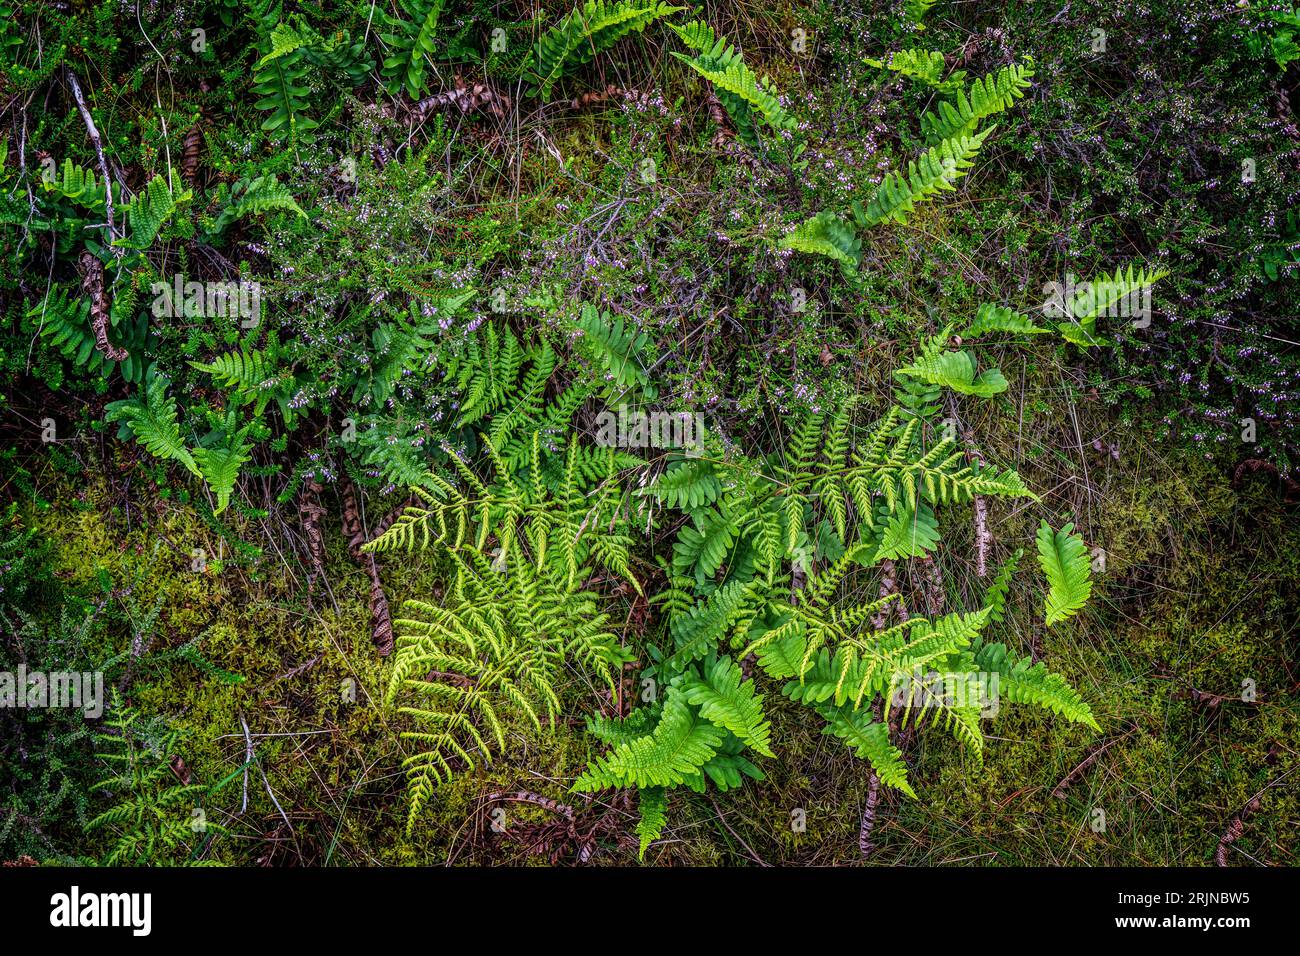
x,y
155,821
586,32
413,41
488,245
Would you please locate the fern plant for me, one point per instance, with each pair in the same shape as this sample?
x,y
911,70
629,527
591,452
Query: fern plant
x,y
505,391
221,456
280,82
522,608
742,583
151,418
953,369
827,234
745,98
63,319
255,376
153,822
955,138
747,523
709,717
990,319
412,41
251,197
149,211
914,11
988,96
933,172
401,347
586,32
619,349
1105,295
922,66
1281,257
1065,562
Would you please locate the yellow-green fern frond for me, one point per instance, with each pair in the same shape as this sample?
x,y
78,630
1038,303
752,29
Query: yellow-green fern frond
x,y
1065,562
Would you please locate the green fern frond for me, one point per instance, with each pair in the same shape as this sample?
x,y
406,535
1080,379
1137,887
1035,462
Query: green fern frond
x,y
150,824
1065,562
826,234
487,372
586,32
908,534
78,185
63,317
869,739
953,369
1281,256
680,745
996,318
989,95
255,376
1116,294
618,347
1021,682
652,814
412,41
731,703
703,627
152,420
703,545
254,197
613,731
743,96
916,10
923,66
932,173
219,463
688,484
995,598
280,82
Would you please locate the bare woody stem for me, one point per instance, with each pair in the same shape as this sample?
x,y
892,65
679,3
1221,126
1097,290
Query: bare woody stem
x,y
93,132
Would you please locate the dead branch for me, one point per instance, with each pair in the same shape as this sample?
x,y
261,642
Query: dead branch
x,y
310,512
463,98
93,133
536,799
1093,755
1236,827
381,620
92,283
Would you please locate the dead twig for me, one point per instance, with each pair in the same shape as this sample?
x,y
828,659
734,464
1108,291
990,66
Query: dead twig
x,y
1236,827
92,131
1092,757
92,283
